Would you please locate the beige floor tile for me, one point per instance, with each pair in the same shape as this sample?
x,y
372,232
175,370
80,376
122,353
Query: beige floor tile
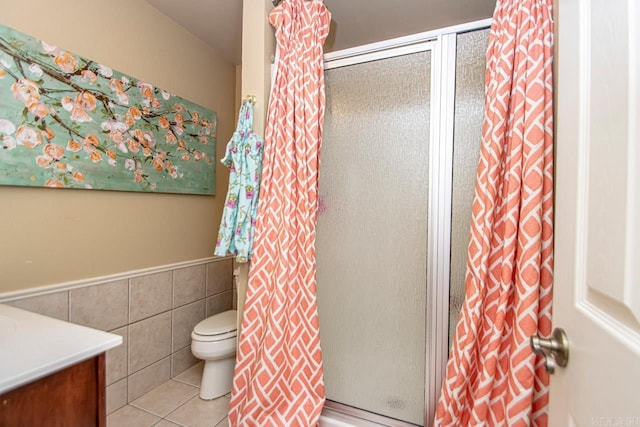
x,y
166,398
200,413
165,423
129,416
223,423
192,376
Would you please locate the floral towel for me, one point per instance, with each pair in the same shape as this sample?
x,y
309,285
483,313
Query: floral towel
x,y
244,160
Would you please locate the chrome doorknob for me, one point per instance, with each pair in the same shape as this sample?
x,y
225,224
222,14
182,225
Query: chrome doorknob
x,y
555,349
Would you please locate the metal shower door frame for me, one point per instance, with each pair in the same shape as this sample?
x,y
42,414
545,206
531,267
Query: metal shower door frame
x,y
442,45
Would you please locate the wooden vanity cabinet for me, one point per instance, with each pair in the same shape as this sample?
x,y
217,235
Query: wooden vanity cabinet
x,y
72,397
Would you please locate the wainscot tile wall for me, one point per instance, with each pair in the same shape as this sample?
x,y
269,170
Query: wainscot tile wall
x,y
153,310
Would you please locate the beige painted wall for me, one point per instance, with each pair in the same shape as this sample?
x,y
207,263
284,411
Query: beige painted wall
x,y
258,45
51,236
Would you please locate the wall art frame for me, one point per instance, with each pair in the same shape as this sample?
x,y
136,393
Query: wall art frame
x,y
70,122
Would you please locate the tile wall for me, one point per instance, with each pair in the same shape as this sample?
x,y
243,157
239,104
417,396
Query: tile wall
x,y
154,313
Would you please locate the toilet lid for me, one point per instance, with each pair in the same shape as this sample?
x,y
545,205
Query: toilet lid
x,y
217,324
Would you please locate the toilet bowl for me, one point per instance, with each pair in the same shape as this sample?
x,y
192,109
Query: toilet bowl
x,y
214,341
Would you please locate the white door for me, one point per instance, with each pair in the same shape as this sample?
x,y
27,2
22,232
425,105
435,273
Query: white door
x,y
597,251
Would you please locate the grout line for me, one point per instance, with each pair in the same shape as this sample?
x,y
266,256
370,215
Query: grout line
x,y
139,409
129,290
159,415
173,309
128,326
165,418
171,349
206,280
189,400
185,383
146,410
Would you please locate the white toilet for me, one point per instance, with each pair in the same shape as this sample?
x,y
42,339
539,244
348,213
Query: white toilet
x,y
214,341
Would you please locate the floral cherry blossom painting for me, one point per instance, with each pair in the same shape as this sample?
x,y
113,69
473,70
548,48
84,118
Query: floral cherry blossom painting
x,y
70,122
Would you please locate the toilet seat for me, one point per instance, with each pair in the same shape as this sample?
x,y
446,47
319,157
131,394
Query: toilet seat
x,y
218,327
214,341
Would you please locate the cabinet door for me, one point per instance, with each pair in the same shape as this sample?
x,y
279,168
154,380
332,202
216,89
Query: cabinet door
x,y
74,396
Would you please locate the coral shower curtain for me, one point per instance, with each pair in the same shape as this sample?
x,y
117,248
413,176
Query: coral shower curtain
x,y
278,376
492,377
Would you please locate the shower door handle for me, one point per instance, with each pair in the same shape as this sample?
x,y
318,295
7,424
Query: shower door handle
x,y
555,349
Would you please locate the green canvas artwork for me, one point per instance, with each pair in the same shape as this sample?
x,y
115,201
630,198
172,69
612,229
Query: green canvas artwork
x,y
70,122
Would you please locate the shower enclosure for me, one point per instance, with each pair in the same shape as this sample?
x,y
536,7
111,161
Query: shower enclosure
x,y
400,147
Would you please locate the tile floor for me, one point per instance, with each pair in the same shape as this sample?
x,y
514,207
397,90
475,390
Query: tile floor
x,y
174,403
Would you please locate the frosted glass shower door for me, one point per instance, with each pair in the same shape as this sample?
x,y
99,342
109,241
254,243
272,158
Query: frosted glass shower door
x,y
372,235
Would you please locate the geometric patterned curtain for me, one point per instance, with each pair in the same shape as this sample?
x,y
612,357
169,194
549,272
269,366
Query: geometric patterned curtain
x,y
492,376
278,378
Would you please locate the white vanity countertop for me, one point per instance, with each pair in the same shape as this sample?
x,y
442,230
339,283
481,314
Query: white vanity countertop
x,y
33,346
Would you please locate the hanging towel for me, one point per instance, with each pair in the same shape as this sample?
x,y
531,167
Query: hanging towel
x,y
243,157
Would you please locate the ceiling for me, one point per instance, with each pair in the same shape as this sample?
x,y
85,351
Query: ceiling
x,y
354,22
